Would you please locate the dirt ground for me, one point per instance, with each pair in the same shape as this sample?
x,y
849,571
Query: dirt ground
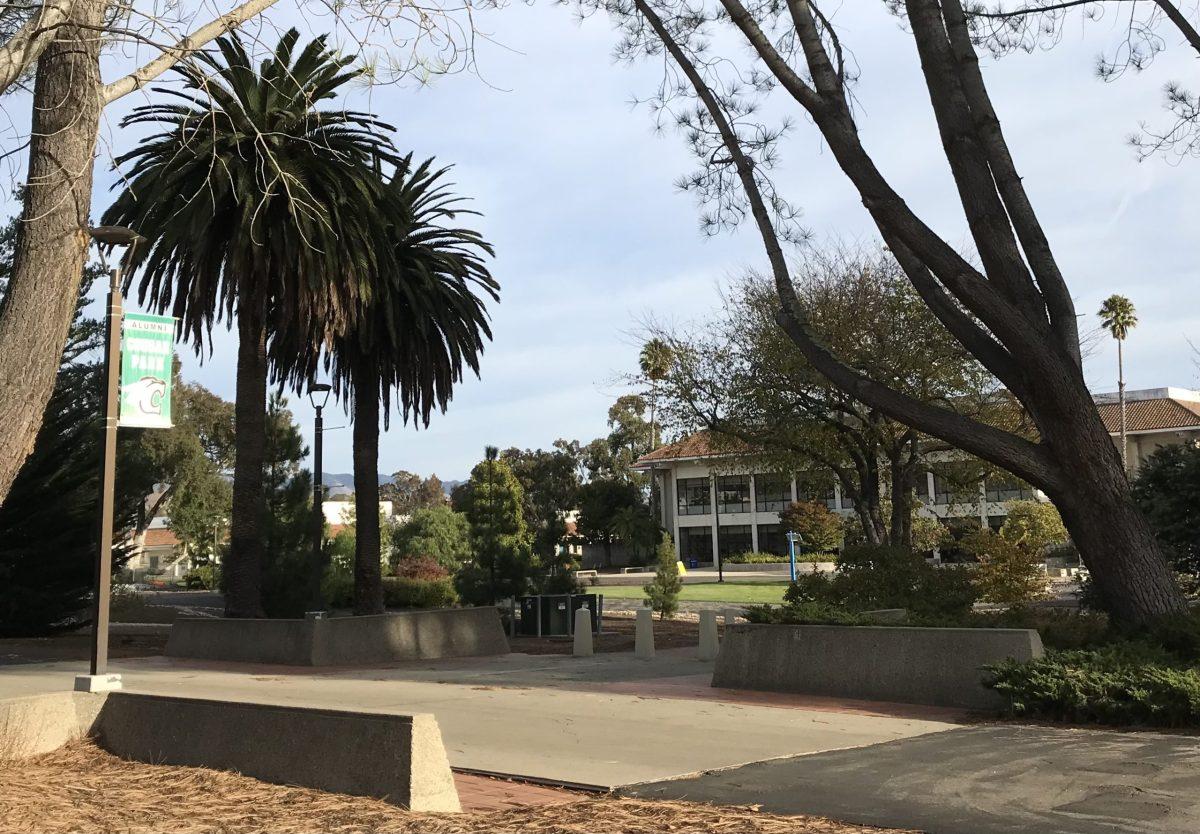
x,y
616,635
82,788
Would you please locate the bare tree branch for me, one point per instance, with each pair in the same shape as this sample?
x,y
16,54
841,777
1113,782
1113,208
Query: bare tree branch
x,y
24,47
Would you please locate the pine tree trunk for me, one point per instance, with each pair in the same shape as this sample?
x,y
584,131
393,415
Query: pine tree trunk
x,y
368,575
243,567
53,237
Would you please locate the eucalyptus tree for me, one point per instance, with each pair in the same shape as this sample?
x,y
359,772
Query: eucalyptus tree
x,y
1118,317
422,320
258,204
1011,308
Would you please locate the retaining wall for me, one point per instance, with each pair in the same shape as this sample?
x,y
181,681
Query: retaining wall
x,y
398,758
939,666
343,641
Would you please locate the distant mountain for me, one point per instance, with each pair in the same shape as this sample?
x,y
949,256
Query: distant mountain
x,y
339,483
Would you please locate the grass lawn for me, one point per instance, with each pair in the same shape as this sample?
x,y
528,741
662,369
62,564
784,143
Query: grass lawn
x,y
727,591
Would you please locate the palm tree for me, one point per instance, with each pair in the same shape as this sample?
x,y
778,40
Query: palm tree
x,y
655,360
1118,317
409,339
257,203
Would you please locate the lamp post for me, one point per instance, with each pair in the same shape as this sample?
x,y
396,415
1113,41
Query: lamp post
x,y
318,395
793,540
98,679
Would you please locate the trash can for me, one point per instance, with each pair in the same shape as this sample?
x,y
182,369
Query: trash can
x,y
693,564
593,603
527,624
556,614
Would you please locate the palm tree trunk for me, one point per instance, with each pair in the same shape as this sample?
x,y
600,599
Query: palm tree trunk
x,y
243,568
52,238
1121,397
368,576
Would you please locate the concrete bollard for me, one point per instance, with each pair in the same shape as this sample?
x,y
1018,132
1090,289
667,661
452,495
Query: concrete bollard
x,y
709,644
731,615
643,643
583,633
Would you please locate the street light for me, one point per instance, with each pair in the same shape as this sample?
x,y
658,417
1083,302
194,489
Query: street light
x,y
98,679
318,395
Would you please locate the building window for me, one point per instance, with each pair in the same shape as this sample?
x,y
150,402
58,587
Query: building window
x,y
808,488
693,496
735,538
695,543
772,492
847,501
733,494
954,485
1001,488
772,539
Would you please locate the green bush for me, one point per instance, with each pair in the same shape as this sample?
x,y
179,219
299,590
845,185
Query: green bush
x,y
1007,572
662,593
337,586
402,592
820,528
754,558
804,613
875,576
1123,684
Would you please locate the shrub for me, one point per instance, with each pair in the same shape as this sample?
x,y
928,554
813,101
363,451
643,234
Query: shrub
x,y
1007,573
1167,489
1121,685
423,567
876,576
820,528
754,558
207,577
662,593
1033,526
405,592
804,613
928,534
337,586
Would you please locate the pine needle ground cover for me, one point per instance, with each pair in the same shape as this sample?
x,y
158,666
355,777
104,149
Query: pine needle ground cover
x,y
80,787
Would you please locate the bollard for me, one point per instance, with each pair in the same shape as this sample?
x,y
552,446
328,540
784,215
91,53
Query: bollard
x,y
730,616
709,644
583,633
643,643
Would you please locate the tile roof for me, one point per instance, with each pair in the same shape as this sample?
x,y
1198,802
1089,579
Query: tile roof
x,y
1151,415
1160,414
160,537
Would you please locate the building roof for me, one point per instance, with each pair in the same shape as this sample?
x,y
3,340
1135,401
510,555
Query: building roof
x,y
1143,415
160,537
1155,409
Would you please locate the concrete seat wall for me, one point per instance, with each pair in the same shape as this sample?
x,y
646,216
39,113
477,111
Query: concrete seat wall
x,y
937,666
343,641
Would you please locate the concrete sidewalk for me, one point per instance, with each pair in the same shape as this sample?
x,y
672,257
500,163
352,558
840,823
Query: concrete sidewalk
x,y
600,722
979,780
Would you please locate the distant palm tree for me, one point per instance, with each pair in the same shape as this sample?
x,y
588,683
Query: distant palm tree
x,y
1118,317
655,360
259,204
408,340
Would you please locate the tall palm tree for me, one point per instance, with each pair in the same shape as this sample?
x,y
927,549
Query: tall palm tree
x,y
655,361
257,204
1118,317
409,339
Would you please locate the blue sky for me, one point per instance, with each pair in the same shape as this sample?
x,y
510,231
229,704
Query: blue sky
x,y
576,191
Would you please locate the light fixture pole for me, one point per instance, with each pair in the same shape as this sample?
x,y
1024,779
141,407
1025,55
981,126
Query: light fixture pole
x,y
318,395
98,679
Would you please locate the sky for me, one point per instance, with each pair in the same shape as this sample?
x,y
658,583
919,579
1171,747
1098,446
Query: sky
x,y
576,191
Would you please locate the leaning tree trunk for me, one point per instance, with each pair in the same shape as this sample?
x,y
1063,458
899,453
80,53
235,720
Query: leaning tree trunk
x,y
52,238
368,574
243,567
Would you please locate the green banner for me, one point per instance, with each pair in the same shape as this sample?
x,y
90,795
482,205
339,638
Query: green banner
x,y
147,350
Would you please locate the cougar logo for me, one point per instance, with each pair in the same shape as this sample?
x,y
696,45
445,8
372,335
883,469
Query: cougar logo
x,y
146,395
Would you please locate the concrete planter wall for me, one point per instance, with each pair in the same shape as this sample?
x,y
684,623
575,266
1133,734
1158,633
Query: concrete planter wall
x,y
343,641
939,666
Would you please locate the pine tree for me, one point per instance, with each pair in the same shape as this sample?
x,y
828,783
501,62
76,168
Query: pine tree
x,y
662,593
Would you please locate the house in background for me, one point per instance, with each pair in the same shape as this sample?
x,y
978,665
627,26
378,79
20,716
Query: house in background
x,y
704,491
340,514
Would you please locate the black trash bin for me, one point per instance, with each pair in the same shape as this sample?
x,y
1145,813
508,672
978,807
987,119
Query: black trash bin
x,y
593,603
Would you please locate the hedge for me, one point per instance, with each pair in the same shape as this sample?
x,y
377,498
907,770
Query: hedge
x,y
752,558
402,592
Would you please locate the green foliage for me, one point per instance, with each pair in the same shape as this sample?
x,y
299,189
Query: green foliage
x,y
48,520
503,558
1121,685
1167,490
611,458
870,577
604,512
1007,573
752,558
805,613
820,528
207,577
662,592
437,533
410,493
421,567
1033,526
403,592
928,534
550,482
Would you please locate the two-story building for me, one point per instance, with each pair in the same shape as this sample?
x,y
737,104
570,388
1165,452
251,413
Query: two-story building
x,y
709,501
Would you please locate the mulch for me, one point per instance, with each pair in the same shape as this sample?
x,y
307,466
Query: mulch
x,y
80,787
